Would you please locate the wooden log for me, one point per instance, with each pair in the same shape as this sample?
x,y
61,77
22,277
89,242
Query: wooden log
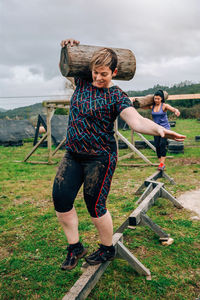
x,y
74,61
145,101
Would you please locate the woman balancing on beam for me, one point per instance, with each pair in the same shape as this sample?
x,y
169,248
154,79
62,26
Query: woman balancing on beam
x,y
91,154
159,115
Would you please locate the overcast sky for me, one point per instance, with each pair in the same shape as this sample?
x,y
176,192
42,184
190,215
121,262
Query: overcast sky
x,y
163,35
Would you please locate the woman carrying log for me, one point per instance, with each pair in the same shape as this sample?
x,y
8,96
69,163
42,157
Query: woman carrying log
x,y
159,115
91,154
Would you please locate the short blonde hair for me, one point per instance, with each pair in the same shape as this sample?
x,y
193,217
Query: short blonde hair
x,y
104,57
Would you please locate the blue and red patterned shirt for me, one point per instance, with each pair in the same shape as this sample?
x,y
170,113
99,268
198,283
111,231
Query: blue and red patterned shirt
x,y
91,120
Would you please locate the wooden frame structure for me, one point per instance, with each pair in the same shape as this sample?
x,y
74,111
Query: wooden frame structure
x,y
51,106
91,274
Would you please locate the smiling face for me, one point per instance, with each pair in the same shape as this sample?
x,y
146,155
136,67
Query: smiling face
x,y
157,100
102,76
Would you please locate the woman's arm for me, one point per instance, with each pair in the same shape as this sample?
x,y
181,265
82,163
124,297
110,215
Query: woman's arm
x,y
146,126
172,109
72,42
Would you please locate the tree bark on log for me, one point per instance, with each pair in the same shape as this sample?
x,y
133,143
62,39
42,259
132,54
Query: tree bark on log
x,y
145,101
74,61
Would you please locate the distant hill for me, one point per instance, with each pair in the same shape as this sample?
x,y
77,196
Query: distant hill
x,y
32,111
185,87
25,112
2,109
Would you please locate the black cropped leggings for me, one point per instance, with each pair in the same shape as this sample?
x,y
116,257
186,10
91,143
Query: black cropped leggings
x,y
94,172
161,146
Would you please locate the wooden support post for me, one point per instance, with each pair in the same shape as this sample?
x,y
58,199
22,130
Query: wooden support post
x,y
132,138
171,180
146,141
145,220
132,260
35,147
58,147
135,218
50,112
139,190
167,195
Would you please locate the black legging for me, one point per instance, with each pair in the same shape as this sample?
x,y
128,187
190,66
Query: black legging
x,y
161,146
95,172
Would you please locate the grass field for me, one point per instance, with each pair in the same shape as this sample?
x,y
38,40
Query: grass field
x,y
33,244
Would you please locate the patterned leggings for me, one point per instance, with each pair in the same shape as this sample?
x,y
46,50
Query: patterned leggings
x,y
95,172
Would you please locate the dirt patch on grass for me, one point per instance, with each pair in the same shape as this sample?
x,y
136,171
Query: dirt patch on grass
x,y
3,253
186,161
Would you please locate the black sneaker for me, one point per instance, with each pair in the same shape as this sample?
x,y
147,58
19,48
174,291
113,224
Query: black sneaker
x,y
102,255
73,255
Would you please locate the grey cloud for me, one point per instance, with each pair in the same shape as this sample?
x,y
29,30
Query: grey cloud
x,y
156,31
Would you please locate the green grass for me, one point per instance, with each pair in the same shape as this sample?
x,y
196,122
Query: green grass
x,y
33,244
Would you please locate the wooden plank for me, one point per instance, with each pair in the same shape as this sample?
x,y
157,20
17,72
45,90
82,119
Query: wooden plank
x,y
129,155
35,147
184,97
58,147
123,226
89,278
159,231
50,112
139,190
132,260
146,192
167,195
171,180
154,176
63,102
41,162
133,147
134,218
146,141
136,165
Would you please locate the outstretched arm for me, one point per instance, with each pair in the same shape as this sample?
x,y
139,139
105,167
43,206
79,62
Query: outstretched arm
x,y
172,109
146,126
